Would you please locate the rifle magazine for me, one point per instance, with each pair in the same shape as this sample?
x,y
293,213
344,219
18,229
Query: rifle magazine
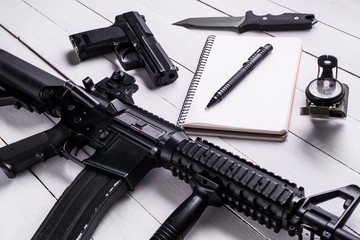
x,y
81,207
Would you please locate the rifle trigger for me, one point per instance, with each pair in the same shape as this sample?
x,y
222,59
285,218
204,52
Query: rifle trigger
x,y
75,143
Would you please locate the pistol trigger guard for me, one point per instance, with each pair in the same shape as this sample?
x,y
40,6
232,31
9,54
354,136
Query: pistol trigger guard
x,y
128,58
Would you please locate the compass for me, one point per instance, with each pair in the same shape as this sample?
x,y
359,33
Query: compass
x,y
326,96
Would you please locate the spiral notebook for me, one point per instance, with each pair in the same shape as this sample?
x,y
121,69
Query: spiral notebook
x,y
260,106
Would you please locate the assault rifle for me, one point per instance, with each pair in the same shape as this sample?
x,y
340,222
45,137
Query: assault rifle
x,y
129,142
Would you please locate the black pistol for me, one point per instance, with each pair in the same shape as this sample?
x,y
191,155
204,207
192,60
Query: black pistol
x,y
129,142
134,44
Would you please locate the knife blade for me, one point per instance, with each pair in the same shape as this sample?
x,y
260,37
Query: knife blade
x,y
249,22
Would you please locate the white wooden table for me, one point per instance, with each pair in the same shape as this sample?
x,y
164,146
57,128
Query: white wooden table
x,y
319,154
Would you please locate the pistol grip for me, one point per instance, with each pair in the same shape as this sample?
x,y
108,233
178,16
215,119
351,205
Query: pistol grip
x,y
27,152
96,42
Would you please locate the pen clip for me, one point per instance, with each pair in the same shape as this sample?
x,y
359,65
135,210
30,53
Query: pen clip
x,y
256,52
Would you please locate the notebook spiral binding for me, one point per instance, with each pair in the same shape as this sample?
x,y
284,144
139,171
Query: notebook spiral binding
x,y
195,81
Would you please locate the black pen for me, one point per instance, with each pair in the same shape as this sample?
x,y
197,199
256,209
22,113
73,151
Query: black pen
x,y
247,67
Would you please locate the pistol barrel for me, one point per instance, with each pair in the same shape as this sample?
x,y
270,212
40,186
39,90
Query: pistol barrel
x,y
154,58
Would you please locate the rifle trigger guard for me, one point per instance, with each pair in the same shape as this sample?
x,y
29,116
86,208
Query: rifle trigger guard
x,y
77,142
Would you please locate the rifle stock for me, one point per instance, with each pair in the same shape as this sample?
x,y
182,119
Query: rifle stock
x,y
19,74
26,85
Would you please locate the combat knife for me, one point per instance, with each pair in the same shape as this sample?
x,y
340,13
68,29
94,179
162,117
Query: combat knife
x,y
285,21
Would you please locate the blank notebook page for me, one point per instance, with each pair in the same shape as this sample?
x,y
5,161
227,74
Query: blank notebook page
x,y
261,102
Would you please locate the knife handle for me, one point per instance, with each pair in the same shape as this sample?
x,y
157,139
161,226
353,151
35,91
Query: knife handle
x,y
286,21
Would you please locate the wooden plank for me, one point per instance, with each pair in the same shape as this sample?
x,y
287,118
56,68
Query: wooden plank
x,y
168,192
24,203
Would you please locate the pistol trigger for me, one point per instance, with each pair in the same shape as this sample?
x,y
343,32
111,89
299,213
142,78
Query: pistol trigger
x,y
128,57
